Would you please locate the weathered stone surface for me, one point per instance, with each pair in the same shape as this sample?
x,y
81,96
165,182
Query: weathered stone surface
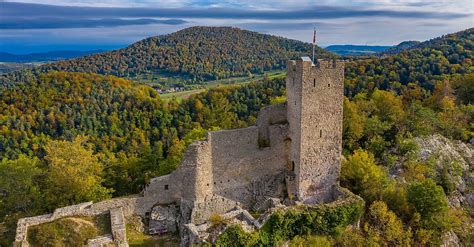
x,y
315,96
118,227
164,219
101,241
450,152
450,239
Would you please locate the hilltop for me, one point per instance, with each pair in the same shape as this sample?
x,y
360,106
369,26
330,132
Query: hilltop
x,y
357,50
423,65
400,47
464,37
195,54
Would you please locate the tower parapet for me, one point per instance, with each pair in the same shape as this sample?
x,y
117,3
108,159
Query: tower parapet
x,y
314,112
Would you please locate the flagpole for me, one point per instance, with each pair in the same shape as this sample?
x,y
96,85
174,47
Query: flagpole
x,y
314,43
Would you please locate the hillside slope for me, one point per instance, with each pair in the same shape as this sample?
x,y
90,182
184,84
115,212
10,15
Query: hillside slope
x,y
400,47
444,58
356,50
196,53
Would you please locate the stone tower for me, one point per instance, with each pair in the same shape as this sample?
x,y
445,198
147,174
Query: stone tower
x,y
314,111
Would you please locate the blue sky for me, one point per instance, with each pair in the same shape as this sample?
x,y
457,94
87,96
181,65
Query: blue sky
x,y
43,25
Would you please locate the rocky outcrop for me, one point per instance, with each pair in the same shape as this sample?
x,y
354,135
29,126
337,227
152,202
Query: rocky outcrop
x,y
454,156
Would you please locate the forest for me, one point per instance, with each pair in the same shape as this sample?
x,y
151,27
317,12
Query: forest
x,y
195,54
69,137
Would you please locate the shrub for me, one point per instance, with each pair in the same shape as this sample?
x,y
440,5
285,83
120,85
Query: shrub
x,y
362,176
427,198
236,236
303,220
318,241
350,238
384,227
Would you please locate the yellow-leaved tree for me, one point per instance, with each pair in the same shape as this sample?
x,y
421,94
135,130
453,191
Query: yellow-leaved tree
x,y
74,173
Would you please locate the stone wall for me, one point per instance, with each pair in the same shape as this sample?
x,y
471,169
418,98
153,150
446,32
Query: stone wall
x,y
213,204
294,73
127,206
315,96
118,228
270,115
240,164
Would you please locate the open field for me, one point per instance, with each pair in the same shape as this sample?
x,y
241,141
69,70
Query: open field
x,y
222,83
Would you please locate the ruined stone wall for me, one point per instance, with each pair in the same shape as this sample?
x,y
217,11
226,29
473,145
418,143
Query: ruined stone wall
x,y
165,189
197,182
127,206
240,164
294,73
191,181
270,115
212,204
320,128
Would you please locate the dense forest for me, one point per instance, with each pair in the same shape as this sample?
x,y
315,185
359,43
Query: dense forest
x,y
195,53
69,137
400,47
444,58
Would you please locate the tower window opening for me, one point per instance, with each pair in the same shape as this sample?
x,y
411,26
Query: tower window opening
x,y
295,102
320,133
166,187
314,82
329,84
292,166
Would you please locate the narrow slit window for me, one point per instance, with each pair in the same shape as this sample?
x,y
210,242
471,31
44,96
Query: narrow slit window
x,y
329,84
292,166
314,82
320,133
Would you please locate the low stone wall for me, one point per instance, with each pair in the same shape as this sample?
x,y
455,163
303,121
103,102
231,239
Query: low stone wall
x,y
100,241
213,204
128,206
118,228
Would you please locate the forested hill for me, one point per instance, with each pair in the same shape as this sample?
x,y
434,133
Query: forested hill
x,y
466,37
400,47
196,53
444,58
438,43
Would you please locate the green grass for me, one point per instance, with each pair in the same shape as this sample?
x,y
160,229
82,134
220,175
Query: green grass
x,y
223,83
71,231
140,239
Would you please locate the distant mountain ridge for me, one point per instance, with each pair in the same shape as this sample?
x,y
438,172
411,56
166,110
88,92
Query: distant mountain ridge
x,y
356,50
195,53
44,56
400,47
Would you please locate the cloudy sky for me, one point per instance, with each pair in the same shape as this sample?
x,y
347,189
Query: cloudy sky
x,y
44,25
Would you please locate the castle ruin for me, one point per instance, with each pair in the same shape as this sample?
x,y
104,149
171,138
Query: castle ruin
x,y
291,155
